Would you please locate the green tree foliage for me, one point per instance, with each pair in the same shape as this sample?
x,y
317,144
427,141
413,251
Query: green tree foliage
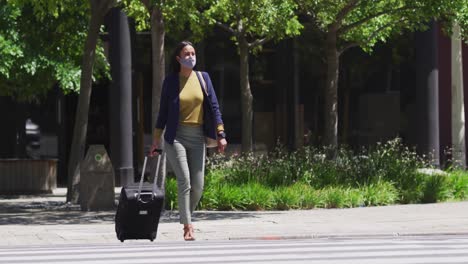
x,y
361,23
41,45
251,24
461,17
176,14
364,23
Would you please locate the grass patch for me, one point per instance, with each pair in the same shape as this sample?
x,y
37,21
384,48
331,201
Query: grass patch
x,y
458,180
257,197
380,193
436,188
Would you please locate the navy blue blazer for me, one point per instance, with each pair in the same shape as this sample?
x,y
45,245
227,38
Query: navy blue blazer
x,y
169,107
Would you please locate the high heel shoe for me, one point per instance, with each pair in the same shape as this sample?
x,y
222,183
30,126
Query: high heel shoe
x,y
188,233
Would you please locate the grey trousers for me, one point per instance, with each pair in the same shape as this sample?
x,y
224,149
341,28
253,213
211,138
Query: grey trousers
x,y
187,159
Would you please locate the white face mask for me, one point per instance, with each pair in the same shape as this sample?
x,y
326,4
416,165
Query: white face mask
x,y
189,62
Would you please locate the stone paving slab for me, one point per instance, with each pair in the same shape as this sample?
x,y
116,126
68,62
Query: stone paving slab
x,y
37,220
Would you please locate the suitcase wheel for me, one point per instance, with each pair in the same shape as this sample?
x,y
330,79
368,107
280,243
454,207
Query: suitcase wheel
x,y
121,237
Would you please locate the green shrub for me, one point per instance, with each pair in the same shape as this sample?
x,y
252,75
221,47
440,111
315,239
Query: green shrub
x,y
171,194
390,161
355,198
379,193
436,188
383,174
411,196
209,200
257,197
215,177
290,197
333,197
230,197
311,198
410,188
458,182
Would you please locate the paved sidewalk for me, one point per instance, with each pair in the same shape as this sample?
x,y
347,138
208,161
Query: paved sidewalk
x,y
46,219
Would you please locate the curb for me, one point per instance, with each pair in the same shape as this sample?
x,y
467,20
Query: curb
x,y
353,236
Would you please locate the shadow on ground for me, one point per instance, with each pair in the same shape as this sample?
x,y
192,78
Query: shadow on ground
x,y
61,213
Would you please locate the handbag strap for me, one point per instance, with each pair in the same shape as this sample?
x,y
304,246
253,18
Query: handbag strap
x,y
203,84
202,81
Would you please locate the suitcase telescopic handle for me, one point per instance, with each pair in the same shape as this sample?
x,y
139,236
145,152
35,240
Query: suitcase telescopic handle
x,y
156,176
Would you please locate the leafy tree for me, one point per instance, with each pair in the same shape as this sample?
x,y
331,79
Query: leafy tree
x,y
361,23
46,46
40,45
251,24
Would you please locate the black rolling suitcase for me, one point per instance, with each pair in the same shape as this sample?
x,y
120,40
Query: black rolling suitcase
x,y
139,208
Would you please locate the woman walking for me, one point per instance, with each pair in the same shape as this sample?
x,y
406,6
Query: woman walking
x,y
189,113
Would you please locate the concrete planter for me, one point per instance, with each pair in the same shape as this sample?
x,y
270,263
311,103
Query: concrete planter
x,y
25,176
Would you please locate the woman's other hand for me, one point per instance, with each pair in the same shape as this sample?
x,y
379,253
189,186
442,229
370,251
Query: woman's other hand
x,y
222,143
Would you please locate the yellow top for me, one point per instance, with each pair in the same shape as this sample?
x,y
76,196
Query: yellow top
x,y
190,103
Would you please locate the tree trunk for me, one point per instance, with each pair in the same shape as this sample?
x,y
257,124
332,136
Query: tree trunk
x,y
246,97
158,33
81,118
157,43
331,92
458,107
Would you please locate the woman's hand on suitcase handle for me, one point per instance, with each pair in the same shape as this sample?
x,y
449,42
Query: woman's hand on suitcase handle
x,y
155,149
155,152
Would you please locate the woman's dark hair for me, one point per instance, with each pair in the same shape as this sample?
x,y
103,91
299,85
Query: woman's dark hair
x,y
175,66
